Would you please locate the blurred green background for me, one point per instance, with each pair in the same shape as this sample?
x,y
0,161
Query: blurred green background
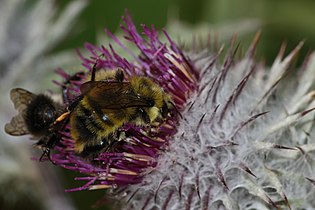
x,y
280,21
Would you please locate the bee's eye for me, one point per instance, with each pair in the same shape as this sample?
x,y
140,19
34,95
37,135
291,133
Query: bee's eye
x,y
48,115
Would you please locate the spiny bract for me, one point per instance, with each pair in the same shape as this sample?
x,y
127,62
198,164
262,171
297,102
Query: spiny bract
x,y
245,142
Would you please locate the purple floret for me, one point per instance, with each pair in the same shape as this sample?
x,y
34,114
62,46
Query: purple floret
x,y
136,155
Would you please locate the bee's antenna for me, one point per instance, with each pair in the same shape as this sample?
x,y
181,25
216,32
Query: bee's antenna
x,y
94,69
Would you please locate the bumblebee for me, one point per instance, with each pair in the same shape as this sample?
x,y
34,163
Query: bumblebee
x,y
106,105
36,115
107,102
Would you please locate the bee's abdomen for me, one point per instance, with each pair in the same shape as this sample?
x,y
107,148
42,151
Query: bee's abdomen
x,y
84,125
88,129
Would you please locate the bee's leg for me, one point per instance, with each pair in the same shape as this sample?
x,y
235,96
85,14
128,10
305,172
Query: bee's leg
x,y
145,117
74,104
49,141
121,135
46,152
76,77
42,144
178,112
110,146
93,151
114,142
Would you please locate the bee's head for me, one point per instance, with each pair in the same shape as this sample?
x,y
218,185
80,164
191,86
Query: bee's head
x,y
158,101
40,114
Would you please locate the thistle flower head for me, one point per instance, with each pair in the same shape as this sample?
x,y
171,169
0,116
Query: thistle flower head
x,y
165,64
244,141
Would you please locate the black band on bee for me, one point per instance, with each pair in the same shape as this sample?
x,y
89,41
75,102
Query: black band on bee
x,y
107,144
86,135
86,124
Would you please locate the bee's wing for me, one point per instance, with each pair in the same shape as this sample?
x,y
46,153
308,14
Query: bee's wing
x,y
113,95
20,98
16,127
